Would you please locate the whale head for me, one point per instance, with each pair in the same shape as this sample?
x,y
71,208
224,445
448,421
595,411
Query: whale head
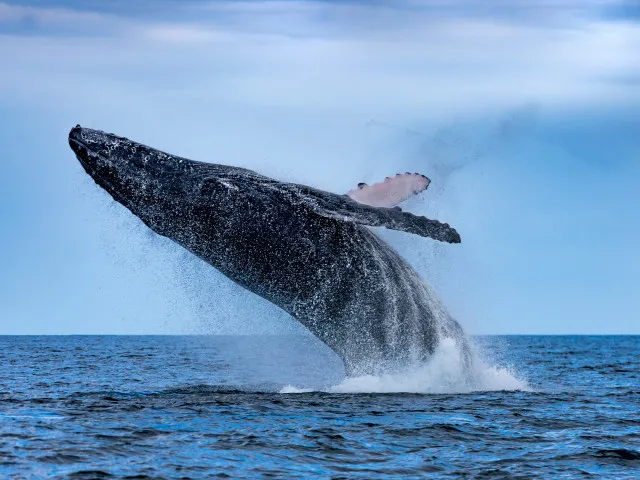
x,y
163,190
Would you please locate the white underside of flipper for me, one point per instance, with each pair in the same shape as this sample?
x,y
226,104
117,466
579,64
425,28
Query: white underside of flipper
x,y
391,191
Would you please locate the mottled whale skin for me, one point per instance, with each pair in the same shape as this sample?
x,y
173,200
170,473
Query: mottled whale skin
x,y
306,250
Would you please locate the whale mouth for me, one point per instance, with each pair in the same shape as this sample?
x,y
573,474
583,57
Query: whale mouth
x,y
82,152
81,149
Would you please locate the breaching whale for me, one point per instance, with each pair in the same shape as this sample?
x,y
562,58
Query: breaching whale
x,y
306,250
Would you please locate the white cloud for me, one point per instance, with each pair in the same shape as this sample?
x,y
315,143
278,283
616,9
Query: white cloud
x,y
415,62
60,18
189,34
383,61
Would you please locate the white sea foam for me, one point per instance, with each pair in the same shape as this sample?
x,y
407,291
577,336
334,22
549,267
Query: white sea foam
x,y
292,389
445,372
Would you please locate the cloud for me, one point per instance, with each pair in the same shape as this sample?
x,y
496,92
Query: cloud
x,y
182,34
27,20
379,59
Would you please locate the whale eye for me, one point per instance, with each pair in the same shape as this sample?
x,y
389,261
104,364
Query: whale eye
x,y
213,188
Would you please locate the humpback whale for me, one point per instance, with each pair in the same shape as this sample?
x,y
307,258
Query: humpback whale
x,y
308,251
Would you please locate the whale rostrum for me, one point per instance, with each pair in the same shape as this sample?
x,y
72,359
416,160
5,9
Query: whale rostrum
x,y
308,251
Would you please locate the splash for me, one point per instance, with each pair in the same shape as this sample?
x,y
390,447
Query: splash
x,y
443,373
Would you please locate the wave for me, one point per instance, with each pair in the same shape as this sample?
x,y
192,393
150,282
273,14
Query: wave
x,y
444,373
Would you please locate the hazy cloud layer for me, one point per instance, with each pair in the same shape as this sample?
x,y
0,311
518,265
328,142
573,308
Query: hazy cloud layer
x,y
405,58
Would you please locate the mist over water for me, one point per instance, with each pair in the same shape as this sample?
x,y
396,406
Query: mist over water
x,y
443,373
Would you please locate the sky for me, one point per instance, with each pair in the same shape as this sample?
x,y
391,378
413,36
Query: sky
x,y
524,114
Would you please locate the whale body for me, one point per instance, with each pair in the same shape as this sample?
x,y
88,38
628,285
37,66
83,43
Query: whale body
x,y
308,251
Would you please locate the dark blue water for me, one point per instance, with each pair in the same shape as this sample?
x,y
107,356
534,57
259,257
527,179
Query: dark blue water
x,y
195,407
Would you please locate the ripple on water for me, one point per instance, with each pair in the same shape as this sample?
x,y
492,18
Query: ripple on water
x,y
146,414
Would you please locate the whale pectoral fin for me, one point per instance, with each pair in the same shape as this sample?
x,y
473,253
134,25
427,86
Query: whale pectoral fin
x,y
396,219
342,207
391,191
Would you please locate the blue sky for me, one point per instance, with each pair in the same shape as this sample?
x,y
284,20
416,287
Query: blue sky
x,y
525,114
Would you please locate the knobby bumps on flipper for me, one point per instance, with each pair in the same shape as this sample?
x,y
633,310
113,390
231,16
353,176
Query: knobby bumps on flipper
x,y
347,209
378,207
391,191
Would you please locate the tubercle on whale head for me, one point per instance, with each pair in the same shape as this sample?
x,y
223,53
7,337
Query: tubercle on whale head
x,y
154,185
167,192
95,145
119,160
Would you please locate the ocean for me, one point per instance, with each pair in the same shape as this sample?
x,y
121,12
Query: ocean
x,y
89,407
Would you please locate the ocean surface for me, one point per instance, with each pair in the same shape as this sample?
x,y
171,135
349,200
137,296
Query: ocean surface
x,y
280,407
